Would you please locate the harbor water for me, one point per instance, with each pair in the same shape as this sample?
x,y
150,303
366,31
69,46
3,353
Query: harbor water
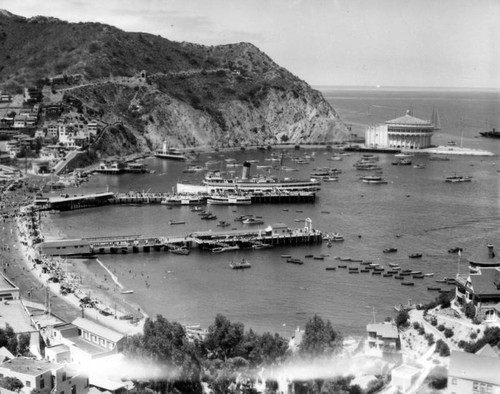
x,y
415,212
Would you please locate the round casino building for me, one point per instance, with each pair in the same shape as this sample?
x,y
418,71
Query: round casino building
x,y
405,132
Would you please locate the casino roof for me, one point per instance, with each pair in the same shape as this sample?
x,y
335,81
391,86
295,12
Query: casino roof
x,y
409,120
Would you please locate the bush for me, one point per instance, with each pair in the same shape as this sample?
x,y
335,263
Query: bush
x,y
473,335
430,339
437,379
416,325
470,311
402,318
442,348
434,321
448,333
441,327
421,330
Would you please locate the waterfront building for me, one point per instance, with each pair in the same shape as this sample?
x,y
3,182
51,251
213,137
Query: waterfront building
x,y
474,373
383,340
81,341
44,377
405,132
66,247
8,290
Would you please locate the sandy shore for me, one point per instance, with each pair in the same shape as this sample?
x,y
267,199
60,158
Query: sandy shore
x,y
110,306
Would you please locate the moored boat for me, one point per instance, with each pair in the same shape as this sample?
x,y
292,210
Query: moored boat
x,y
294,261
374,179
229,199
390,250
252,221
415,255
242,264
222,249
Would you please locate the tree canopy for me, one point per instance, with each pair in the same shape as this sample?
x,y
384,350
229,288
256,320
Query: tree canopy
x,y
320,339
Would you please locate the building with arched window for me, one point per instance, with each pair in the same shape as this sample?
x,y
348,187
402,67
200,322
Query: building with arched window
x,y
406,132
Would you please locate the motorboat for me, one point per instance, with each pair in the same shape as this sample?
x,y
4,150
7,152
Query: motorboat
x,y
415,255
390,250
374,179
457,178
294,261
222,249
242,264
229,199
252,221
261,246
182,250
172,222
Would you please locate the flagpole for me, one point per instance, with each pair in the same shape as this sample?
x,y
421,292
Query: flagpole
x,y
458,263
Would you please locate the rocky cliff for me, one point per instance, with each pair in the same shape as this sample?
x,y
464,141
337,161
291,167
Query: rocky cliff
x,y
190,95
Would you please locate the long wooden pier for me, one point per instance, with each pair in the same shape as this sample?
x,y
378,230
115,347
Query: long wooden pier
x,y
273,235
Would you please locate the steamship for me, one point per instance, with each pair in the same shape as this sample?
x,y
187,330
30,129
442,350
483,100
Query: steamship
x,y
169,153
214,182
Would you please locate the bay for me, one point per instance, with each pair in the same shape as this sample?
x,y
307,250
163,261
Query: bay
x,y
430,215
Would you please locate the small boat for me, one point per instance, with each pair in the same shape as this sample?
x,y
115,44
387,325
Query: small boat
x,y
393,265
419,166
390,250
252,221
126,291
208,216
342,266
374,179
418,276
231,199
309,256
388,275
403,155
415,255
318,258
222,223
182,250
330,179
172,222
294,261
440,280
223,249
429,274
457,178
399,277
455,250
242,217
242,264
408,283
262,246
330,268
364,270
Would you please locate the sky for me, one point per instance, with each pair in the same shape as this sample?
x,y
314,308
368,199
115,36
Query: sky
x,y
414,43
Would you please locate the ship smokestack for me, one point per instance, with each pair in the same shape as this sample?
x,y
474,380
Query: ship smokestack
x,y
491,253
246,170
164,146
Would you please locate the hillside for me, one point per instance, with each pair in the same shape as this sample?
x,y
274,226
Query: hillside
x,y
193,95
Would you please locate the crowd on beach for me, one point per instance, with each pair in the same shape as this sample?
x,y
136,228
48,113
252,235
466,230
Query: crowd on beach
x,y
22,220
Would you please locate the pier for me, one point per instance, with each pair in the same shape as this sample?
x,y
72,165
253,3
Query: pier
x,y
67,202
274,235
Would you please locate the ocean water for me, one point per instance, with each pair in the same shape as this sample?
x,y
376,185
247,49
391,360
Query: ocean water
x,y
430,215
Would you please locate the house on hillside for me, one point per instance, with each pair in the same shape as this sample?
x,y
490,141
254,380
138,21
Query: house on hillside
x,y
44,377
383,340
482,289
474,373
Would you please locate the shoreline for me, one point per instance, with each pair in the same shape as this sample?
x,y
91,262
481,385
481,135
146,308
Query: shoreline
x,y
57,275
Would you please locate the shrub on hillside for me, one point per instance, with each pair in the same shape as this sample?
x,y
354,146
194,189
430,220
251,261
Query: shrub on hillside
x,y
434,321
448,333
470,310
442,348
416,325
421,330
441,327
437,379
430,339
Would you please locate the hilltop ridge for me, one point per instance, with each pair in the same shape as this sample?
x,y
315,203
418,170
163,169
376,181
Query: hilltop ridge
x,y
188,94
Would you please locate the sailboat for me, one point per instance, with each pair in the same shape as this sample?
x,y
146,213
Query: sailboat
x,y
435,119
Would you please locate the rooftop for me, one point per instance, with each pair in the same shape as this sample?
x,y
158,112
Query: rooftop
x,y
485,255
29,366
409,120
385,330
474,367
13,313
484,281
6,284
97,329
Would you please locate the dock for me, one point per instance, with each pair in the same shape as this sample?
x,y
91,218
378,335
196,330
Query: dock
x,y
67,202
277,234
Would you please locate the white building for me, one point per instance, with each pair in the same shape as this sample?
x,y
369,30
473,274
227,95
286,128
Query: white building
x,y
406,132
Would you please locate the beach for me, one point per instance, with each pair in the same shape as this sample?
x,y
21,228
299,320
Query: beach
x,y
62,282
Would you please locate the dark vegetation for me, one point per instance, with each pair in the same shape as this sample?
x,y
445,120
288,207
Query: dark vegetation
x,y
228,351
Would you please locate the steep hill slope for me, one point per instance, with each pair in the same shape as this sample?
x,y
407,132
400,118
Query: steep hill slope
x,y
193,95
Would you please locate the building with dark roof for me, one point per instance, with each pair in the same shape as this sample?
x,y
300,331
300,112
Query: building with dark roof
x,y
405,132
473,373
483,290
484,256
